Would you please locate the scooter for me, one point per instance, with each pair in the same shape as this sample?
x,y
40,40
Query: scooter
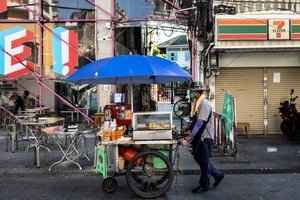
x,y
290,125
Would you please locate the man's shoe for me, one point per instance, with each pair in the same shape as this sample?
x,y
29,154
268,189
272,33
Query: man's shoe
x,y
196,189
200,189
218,180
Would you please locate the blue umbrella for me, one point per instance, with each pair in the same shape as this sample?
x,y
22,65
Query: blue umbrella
x,y
130,69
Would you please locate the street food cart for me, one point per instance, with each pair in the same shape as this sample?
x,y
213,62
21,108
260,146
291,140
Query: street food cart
x,y
144,155
145,150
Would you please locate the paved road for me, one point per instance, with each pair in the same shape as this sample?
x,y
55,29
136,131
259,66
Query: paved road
x,y
79,187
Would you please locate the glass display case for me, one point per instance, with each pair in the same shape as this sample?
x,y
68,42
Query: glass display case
x,y
152,126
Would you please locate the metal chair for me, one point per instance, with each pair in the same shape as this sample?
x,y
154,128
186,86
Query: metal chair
x,y
11,140
37,145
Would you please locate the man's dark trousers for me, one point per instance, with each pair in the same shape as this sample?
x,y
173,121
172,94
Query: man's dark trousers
x,y
202,153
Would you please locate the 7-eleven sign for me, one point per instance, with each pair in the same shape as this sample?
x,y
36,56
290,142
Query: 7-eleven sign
x,y
3,6
279,29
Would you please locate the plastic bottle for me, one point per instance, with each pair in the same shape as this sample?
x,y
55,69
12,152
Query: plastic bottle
x,y
114,125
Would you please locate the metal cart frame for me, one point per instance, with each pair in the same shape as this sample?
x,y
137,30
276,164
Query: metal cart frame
x,y
144,188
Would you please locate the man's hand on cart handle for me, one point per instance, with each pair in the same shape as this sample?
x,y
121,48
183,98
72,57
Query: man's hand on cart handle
x,y
185,139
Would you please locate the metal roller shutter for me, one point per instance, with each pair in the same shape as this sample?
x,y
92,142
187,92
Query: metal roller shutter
x,y
277,92
246,85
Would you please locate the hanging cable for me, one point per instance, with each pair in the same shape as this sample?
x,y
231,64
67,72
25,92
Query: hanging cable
x,y
258,1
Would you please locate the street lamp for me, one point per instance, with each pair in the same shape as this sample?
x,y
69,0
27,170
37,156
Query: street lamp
x,y
212,64
213,60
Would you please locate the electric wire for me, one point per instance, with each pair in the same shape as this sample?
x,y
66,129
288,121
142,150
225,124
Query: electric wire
x,y
259,2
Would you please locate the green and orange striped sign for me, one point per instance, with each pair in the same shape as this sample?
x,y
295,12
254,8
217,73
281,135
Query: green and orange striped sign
x,y
295,29
242,29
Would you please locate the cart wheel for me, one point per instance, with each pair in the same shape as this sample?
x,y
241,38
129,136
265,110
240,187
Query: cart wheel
x,y
150,174
110,185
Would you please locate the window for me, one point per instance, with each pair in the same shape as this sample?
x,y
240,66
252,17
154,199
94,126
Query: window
x,y
186,55
172,56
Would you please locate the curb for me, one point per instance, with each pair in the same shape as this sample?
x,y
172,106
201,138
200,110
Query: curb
x,y
91,172
246,171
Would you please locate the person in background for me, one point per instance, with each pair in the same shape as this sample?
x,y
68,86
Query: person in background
x,y
18,103
11,102
26,99
201,138
29,102
4,100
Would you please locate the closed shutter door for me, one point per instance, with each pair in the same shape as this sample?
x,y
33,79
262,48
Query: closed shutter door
x,y
246,85
277,92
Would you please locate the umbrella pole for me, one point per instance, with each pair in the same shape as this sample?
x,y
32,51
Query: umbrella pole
x,y
131,97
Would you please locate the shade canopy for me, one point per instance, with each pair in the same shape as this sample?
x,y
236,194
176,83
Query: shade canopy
x,y
130,69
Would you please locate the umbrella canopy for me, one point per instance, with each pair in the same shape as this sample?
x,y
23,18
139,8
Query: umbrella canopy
x,y
130,69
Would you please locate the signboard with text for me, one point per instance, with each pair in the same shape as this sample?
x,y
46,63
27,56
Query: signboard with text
x,y
65,55
246,31
13,53
16,53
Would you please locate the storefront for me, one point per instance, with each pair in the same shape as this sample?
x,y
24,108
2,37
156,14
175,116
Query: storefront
x,y
246,85
257,67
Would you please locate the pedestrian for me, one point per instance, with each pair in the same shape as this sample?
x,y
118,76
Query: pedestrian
x,y
4,100
18,103
201,139
28,101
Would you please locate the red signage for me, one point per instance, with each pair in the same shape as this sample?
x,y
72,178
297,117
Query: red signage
x,y
14,54
3,6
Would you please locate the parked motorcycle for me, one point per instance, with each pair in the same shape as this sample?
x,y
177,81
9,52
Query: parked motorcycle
x,y
290,124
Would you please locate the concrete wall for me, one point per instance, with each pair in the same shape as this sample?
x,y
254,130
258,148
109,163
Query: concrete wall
x,y
260,59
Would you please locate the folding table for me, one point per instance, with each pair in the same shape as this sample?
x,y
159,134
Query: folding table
x,y
36,133
72,151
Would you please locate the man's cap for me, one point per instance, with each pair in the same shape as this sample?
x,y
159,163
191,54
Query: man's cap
x,y
196,87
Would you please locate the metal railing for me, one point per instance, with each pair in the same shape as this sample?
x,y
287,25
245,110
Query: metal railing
x,y
8,121
226,145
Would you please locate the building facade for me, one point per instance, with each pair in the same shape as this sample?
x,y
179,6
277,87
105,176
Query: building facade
x,y
259,64
55,43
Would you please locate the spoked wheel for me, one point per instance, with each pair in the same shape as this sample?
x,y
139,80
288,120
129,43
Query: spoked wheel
x,y
150,174
110,185
182,108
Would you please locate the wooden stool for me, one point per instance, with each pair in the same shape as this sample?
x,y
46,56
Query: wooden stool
x,y
243,128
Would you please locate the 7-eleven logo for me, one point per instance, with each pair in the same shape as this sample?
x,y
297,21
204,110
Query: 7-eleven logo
x,y
279,29
3,6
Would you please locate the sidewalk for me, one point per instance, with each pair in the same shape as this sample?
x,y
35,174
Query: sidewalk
x,y
272,154
260,154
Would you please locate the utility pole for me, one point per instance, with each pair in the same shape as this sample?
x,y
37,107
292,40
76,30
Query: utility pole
x,y
105,43
41,48
200,25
